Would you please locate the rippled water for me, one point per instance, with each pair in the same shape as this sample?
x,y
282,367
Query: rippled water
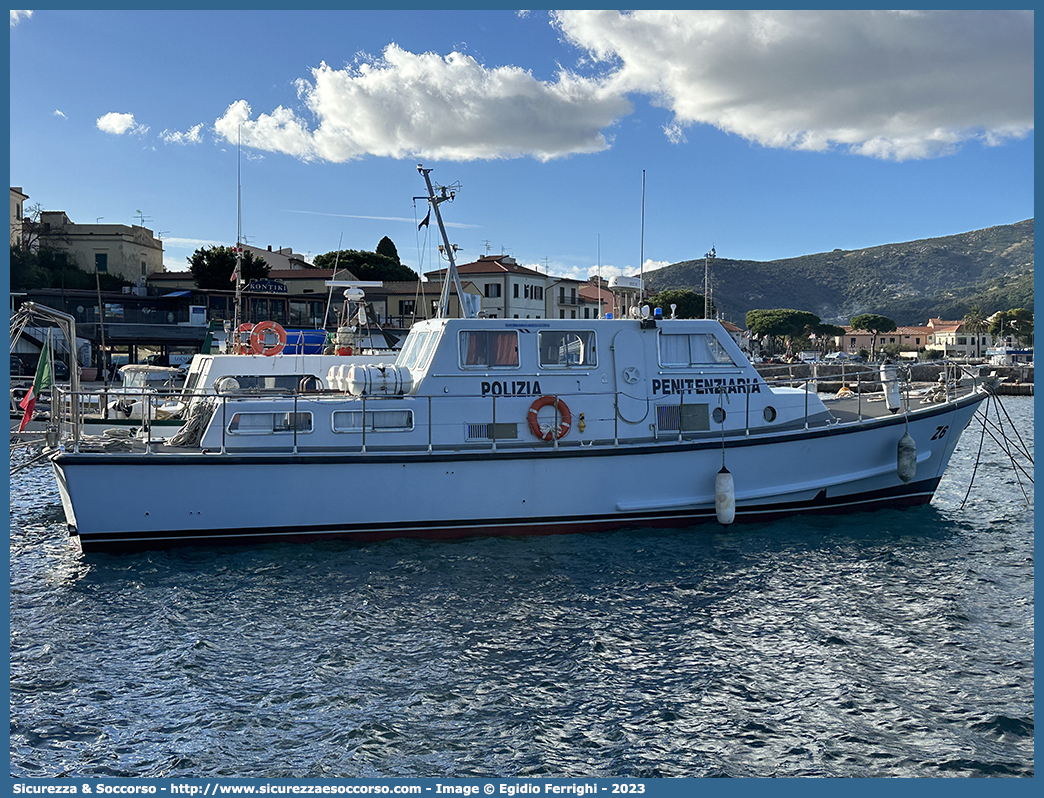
x,y
897,643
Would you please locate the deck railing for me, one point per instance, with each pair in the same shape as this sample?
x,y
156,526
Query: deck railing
x,y
860,383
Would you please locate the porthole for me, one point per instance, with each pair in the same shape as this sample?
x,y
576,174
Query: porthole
x,y
718,415
769,413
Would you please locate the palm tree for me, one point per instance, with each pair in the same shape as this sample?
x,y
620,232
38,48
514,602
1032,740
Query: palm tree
x,y
975,323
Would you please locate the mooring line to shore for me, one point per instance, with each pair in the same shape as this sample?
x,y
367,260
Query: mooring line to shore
x,y
27,463
1005,443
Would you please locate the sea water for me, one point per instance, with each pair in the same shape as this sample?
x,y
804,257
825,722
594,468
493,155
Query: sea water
x,y
891,643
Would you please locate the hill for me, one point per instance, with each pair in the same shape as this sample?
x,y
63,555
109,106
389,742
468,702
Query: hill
x,y
991,269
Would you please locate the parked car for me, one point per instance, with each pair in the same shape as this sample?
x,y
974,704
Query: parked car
x,y
19,368
843,357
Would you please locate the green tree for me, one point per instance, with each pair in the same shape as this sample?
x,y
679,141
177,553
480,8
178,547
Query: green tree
x,y
826,333
780,323
387,248
976,324
212,267
873,324
1017,323
366,265
690,304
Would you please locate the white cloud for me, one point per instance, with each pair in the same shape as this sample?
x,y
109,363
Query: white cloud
x,y
382,218
191,243
894,85
18,16
191,136
651,265
883,84
59,113
120,124
428,106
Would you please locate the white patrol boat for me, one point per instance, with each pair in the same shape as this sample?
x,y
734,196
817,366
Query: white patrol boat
x,y
508,427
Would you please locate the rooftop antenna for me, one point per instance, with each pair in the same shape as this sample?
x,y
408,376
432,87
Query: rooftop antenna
x,y
445,193
141,217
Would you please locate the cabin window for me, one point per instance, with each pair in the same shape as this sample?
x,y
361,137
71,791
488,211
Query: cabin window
x,y
560,349
376,421
683,351
190,383
269,423
272,382
489,349
416,352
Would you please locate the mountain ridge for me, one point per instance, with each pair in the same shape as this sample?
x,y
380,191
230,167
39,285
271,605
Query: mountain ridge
x,y
910,282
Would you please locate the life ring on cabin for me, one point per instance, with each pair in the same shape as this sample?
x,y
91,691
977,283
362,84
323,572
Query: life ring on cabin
x,y
242,347
551,433
344,351
257,338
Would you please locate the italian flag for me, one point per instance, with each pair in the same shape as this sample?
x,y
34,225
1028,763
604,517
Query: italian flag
x,y
41,382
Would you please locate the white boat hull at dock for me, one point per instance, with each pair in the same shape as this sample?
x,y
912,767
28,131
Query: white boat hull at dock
x,y
269,497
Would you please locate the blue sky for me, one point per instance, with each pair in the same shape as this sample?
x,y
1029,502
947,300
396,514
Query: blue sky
x,y
766,135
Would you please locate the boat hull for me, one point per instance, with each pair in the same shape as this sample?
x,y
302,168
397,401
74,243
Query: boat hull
x,y
185,499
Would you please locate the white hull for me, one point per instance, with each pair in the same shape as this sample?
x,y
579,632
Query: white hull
x,y
220,498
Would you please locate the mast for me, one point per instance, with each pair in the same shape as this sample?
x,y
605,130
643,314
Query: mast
x,y
434,202
238,273
706,283
601,312
641,253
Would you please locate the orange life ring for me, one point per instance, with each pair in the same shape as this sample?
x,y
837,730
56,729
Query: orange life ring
x,y
553,433
257,338
243,345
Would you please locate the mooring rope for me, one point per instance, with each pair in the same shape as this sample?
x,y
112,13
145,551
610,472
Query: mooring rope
x,y
1005,446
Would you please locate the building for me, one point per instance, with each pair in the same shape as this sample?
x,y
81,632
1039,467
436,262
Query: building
x,y
566,299
951,338
736,334
954,339
130,252
596,298
17,214
282,259
508,290
910,338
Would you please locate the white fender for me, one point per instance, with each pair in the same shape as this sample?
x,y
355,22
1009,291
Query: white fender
x,y
724,497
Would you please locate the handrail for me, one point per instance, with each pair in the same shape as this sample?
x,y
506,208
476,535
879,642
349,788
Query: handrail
x,y
72,403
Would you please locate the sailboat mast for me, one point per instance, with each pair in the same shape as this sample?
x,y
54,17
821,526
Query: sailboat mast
x,y
237,313
452,271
